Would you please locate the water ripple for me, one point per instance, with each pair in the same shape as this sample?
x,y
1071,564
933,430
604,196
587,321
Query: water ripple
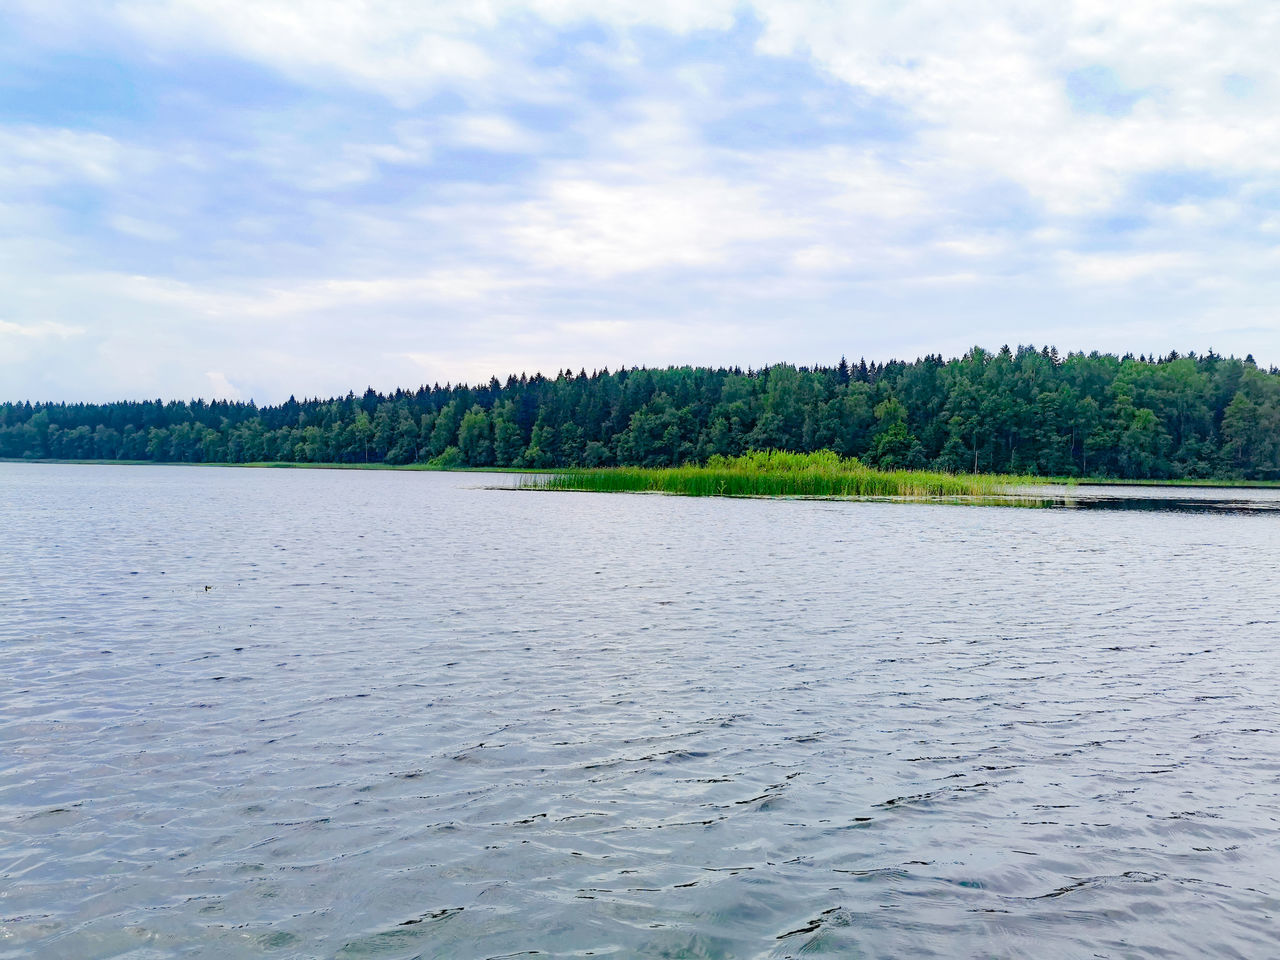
x,y
310,714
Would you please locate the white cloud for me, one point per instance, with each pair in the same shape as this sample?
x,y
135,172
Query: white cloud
x,y
39,330
605,228
221,388
401,50
820,258
628,227
293,158
491,132
989,85
32,157
143,229
972,246
405,51
277,299
1126,268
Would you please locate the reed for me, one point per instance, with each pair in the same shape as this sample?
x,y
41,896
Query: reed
x,y
776,473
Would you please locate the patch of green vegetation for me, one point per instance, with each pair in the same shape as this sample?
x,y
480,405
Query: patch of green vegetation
x,y
1022,411
780,474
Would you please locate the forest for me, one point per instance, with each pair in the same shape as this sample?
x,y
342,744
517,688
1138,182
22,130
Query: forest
x,y
1020,411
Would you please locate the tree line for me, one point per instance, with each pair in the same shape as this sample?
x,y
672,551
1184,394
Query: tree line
x,y
1011,411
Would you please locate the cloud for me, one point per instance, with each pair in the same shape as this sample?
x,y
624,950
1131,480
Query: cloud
x,y
39,330
36,157
220,387
1068,102
403,51
306,195
143,229
491,132
1125,268
607,228
1096,89
306,297
1001,91
399,50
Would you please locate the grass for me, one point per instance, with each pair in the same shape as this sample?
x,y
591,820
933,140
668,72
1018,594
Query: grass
x,y
907,479
780,474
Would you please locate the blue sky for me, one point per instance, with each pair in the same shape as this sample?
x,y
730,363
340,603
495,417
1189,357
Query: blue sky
x,y
249,200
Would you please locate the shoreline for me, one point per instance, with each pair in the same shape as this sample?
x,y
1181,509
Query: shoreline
x,y
281,465
1197,482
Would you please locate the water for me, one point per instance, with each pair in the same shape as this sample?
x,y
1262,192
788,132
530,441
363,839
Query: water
x,y
252,713
1157,499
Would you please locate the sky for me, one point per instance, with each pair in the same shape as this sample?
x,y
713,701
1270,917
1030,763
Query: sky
x,y
249,200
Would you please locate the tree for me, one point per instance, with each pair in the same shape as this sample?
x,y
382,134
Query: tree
x,y
404,442
508,442
445,430
537,454
361,434
1021,409
475,439
893,446
1143,446
596,454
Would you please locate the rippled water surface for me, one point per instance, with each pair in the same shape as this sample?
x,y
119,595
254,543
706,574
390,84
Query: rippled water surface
x,y
255,713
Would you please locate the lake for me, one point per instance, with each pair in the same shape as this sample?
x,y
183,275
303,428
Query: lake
x,y
305,713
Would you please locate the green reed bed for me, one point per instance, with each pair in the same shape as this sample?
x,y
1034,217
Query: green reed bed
x,y
780,474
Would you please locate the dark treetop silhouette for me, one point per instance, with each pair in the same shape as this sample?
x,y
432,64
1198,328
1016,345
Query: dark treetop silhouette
x,y
1012,411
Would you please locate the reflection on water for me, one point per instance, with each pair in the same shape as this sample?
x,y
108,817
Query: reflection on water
x,y
1170,504
339,714
1163,499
